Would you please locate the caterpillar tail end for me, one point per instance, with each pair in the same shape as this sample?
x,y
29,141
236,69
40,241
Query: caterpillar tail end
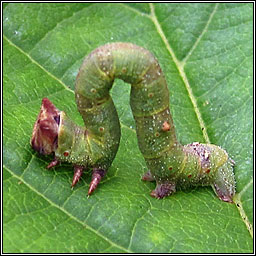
x,y
224,183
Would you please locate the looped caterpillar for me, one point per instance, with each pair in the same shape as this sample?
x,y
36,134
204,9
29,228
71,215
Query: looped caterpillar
x,y
94,146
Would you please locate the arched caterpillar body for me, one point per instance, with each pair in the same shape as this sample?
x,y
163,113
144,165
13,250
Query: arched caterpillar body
x,y
95,145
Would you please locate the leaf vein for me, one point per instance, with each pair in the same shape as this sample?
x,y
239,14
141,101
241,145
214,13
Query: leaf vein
x,y
36,63
56,25
201,35
68,214
135,10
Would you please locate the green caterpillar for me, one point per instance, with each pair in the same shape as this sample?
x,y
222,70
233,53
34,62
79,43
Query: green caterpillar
x,y
94,146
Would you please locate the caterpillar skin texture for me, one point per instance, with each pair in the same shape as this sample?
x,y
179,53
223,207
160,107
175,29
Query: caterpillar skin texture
x,y
94,146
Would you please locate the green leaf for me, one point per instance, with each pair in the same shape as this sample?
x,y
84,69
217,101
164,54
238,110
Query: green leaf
x,y
205,51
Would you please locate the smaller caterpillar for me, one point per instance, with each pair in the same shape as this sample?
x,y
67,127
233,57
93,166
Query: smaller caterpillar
x,y
94,146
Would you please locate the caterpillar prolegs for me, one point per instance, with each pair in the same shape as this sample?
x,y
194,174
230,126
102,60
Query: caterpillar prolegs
x,y
94,146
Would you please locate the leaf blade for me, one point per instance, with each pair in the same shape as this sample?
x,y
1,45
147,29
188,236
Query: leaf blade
x,y
149,229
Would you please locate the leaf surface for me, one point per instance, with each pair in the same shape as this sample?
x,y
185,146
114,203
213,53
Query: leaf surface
x,y
205,51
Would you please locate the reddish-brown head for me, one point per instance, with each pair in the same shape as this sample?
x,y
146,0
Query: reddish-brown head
x,y
45,132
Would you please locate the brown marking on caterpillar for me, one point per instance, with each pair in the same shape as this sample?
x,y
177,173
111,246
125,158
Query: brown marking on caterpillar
x,y
66,153
101,129
150,95
207,171
189,176
166,126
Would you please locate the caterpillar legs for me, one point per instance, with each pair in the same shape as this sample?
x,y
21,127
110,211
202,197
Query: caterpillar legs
x,y
78,172
53,163
147,176
97,175
223,183
162,189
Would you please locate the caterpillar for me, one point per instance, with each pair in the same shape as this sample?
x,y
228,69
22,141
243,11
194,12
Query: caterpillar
x,y
171,165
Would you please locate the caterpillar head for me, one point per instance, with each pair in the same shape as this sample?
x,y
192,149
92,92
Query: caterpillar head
x,y
45,132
